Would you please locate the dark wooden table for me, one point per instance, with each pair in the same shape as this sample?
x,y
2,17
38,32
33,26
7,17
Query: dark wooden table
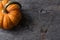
x,y
34,19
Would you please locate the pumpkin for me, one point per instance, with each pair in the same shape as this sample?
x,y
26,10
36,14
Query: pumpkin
x,y
10,14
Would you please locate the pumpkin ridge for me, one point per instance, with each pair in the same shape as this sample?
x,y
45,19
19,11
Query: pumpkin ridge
x,y
13,7
1,6
8,23
14,15
2,21
11,21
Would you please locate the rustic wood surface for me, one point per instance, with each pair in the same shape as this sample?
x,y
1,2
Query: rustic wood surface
x,y
34,19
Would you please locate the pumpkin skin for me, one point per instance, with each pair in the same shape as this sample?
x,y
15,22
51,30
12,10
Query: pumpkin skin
x,y
10,14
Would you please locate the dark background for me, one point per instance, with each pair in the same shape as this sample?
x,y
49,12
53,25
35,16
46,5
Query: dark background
x,y
34,19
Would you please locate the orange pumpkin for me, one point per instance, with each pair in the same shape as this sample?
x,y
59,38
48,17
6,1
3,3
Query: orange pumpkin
x,y
10,14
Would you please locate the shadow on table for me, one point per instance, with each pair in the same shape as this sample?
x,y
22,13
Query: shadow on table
x,y
24,23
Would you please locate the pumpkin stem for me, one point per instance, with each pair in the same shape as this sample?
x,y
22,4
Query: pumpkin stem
x,y
9,3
